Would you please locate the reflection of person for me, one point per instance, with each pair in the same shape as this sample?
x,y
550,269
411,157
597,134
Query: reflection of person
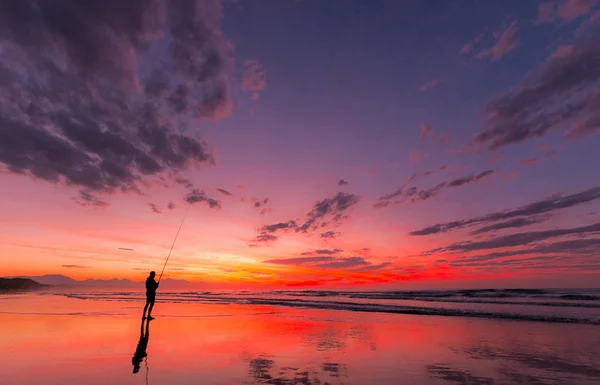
x,y
140,350
151,287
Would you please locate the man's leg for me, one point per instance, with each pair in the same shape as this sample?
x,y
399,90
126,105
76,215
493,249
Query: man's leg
x,y
146,308
151,306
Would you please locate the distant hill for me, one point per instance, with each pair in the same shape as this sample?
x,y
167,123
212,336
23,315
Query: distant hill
x,y
18,284
63,280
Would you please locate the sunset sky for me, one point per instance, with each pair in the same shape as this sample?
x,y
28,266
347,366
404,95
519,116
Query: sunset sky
x,y
317,144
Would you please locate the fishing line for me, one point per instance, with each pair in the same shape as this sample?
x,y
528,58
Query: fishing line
x,y
174,240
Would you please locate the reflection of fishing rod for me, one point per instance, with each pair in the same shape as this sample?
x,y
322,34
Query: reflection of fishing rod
x,y
176,235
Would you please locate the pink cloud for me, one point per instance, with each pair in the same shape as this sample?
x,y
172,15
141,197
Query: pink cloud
x,y
467,48
253,78
426,132
415,157
507,41
563,10
571,9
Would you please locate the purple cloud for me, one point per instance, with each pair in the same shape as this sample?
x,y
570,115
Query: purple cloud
x,y
559,93
544,206
73,112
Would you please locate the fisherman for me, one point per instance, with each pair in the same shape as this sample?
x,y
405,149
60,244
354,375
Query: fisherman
x,y
151,287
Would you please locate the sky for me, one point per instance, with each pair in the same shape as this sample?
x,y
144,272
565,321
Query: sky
x,y
308,144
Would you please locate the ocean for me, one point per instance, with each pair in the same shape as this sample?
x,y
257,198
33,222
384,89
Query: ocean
x,y
547,305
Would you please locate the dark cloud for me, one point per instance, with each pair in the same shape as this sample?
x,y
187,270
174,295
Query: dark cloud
x,y
263,238
329,210
414,194
279,226
300,260
154,208
171,205
560,92
75,267
69,86
521,239
185,183
125,248
343,263
266,232
197,196
548,205
334,209
513,223
329,234
470,179
328,251
224,192
342,182
260,203
86,198
328,262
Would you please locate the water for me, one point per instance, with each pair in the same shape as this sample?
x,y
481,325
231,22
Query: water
x,y
567,306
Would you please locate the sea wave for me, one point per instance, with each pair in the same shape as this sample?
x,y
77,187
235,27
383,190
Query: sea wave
x,y
418,303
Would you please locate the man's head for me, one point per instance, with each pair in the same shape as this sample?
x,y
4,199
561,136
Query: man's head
x,y
152,274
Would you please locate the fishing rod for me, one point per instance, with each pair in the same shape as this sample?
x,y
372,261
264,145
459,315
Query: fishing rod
x,y
174,240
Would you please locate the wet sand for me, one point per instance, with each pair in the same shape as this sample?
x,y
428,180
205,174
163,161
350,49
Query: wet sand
x,y
52,340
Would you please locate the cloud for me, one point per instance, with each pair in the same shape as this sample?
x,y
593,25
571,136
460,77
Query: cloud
x,y
279,226
329,234
430,84
344,263
414,194
559,93
544,206
333,209
261,205
86,198
536,159
266,232
324,212
171,205
328,251
589,26
185,183
224,192
426,132
329,262
416,156
506,42
563,10
154,208
468,48
300,260
253,78
126,249
78,111
75,267
510,224
521,239
342,182
197,196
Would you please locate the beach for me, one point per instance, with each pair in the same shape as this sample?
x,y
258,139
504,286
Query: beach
x,y
49,338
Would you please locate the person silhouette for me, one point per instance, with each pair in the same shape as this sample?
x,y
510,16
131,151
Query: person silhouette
x,y
151,287
140,350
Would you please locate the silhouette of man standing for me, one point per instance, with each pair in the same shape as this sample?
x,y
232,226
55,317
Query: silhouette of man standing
x,y
151,287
